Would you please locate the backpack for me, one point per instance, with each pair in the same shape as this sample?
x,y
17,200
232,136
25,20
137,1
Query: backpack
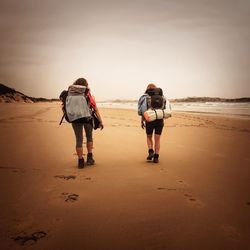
x,y
75,104
153,98
156,99
63,97
142,104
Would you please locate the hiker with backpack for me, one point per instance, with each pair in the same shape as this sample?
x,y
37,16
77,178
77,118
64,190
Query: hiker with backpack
x,y
79,107
153,107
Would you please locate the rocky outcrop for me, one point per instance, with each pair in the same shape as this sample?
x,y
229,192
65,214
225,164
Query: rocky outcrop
x,y
10,95
211,99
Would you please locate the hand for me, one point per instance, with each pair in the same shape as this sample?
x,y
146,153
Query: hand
x,y
101,126
142,124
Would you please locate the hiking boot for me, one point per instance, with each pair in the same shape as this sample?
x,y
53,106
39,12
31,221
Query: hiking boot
x,y
150,154
90,160
80,163
156,158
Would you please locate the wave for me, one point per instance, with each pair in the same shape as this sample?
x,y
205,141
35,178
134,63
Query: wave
x,y
223,108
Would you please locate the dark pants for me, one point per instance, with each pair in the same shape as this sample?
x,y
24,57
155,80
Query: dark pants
x,y
154,126
78,129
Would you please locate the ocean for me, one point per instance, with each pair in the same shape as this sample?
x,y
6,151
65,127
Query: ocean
x,y
220,108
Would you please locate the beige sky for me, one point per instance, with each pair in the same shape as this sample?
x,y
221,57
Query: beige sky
x,y
187,47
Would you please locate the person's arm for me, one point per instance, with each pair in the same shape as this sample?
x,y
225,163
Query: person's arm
x,y
94,106
99,117
142,122
141,102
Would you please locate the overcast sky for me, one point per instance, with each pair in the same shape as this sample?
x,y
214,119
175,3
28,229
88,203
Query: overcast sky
x,y
187,47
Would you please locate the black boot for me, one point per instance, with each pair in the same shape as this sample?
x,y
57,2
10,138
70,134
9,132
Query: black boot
x,y
80,163
90,160
150,154
156,158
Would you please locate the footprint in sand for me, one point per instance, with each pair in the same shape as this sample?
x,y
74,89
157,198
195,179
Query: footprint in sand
x,y
183,183
168,189
65,177
231,232
83,178
70,197
190,197
14,169
30,239
194,201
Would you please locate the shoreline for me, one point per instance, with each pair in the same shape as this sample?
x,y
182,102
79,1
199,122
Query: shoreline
x,y
204,113
222,115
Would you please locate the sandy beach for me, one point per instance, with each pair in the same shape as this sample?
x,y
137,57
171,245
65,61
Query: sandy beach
x,y
197,197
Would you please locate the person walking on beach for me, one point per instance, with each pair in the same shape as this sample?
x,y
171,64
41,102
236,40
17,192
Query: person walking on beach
x,y
79,105
152,98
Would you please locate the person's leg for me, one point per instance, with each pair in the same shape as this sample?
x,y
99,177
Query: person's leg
x,y
157,138
150,141
150,147
157,148
77,127
149,131
157,143
88,131
79,152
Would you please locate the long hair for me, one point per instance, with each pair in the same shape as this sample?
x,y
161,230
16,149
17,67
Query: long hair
x,y
81,81
150,86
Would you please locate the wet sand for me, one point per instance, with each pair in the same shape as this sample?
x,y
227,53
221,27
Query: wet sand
x,y
197,197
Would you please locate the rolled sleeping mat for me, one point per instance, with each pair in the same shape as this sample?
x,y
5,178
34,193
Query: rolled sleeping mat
x,y
153,114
